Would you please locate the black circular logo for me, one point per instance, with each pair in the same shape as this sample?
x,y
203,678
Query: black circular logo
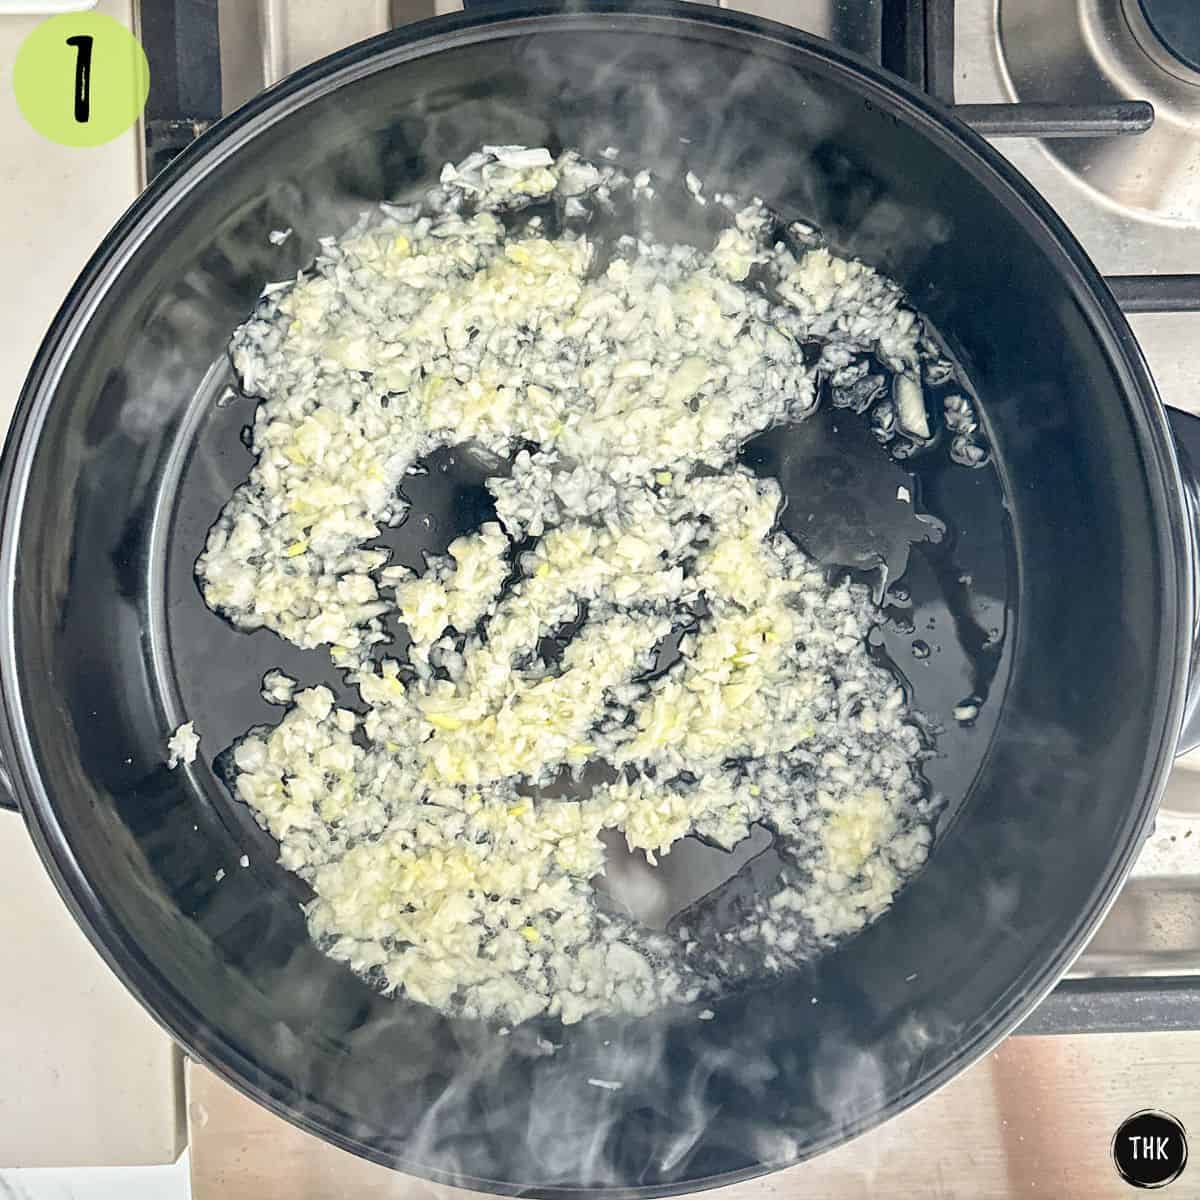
x,y
1150,1149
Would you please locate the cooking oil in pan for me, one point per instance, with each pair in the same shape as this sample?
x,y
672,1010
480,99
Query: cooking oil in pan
x,y
926,534
943,584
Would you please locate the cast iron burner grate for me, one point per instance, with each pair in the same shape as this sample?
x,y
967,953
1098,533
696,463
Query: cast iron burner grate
x,y
918,44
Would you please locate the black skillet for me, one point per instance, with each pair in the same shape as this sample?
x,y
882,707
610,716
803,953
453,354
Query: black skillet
x,y
1060,595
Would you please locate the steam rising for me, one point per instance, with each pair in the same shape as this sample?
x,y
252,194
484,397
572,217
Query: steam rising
x,y
775,1074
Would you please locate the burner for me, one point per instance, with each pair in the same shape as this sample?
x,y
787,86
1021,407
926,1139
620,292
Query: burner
x,y
1175,22
1101,51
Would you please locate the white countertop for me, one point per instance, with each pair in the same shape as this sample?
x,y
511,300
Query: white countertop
x,y
86,1077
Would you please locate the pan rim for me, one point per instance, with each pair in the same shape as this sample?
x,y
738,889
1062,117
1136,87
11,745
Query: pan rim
x,y
171,1008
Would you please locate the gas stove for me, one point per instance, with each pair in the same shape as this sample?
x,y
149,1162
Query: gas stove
x,y
1097,102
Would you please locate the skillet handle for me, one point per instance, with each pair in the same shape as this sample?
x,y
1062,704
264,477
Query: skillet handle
x,y
1186,430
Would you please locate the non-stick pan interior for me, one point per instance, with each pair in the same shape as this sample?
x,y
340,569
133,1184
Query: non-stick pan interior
x,y
1049,594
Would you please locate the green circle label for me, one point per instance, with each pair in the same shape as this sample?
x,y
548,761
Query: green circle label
x,y
81,79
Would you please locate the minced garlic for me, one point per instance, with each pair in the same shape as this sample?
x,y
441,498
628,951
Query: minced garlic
x,y
440,868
